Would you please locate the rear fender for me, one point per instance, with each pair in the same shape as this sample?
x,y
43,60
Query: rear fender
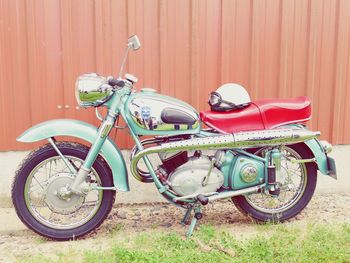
x,y
86,132
325,164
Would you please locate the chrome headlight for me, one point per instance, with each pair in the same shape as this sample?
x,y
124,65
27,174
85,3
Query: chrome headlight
x,y
92,90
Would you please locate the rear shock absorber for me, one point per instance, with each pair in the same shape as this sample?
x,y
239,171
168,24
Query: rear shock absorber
x,y
274,170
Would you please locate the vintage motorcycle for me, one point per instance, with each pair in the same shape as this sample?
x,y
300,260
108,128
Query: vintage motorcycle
x,y
258,153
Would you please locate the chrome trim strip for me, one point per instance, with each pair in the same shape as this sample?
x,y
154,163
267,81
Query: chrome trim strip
x,y
213,127
216,196
291,122
229,141
273,127
229,194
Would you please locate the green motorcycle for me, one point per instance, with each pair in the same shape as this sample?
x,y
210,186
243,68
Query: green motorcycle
x,y
257,153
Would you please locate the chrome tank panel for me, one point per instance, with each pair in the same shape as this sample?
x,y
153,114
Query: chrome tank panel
x,y
152,113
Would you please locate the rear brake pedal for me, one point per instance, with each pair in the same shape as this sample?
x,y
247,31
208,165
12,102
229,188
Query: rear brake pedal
x,y
204,200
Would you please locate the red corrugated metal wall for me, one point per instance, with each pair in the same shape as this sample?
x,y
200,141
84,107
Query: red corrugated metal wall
x,y
274,48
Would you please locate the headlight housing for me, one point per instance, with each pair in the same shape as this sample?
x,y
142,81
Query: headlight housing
x,y
92,90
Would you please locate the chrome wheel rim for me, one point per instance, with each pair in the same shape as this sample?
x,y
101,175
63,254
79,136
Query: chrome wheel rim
x,y
40,193
292,183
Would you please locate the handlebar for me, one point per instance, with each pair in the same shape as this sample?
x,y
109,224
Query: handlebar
x,y
116,82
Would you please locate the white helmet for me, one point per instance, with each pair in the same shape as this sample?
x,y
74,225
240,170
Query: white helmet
x,y
228,97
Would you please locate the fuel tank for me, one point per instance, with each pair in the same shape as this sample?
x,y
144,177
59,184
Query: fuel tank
x,y
150,113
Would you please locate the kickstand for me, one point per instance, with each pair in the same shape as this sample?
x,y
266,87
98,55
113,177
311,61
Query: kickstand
x,y
187,215
197,216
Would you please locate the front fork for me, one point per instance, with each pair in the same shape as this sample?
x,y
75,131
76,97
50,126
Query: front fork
x,y
79,185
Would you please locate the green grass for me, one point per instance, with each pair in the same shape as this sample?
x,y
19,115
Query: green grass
x,y
275,243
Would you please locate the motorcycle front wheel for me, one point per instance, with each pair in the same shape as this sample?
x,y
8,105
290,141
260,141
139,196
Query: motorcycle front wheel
x,y
297,183
40,203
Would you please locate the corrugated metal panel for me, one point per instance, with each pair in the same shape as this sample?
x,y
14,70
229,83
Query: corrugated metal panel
x,y
274,48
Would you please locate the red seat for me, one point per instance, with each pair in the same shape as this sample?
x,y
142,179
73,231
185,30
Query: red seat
x,y
260,115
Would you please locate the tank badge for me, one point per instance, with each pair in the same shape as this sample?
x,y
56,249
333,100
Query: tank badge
x,y
147,120
145,113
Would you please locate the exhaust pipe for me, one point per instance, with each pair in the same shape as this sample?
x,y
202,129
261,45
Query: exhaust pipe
x,y
229,141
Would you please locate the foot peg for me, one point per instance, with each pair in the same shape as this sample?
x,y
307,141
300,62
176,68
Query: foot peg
x,y
198,215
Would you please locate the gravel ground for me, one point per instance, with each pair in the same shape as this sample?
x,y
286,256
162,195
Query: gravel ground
x,y
127,220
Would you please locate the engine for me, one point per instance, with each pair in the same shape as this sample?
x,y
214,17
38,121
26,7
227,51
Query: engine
x,y
193,175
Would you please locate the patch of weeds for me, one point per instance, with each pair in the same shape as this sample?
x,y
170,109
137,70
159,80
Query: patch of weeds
x,y
206,232
228,241
163,255
284,243
38,258
175,242
154,226
116,229
143,239
346,229
319,244
40,240
267,225
327,243
101,257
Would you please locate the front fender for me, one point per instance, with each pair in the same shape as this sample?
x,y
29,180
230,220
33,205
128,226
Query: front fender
x,y
86,132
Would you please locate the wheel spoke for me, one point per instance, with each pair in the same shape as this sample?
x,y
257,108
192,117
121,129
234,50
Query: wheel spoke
x,y
292,184
39,183
51,209
50,170
34,189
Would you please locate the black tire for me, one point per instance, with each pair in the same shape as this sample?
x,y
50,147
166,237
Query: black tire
x,y
259,216
36,157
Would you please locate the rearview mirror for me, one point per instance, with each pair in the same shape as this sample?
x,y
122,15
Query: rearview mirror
x,y
134,42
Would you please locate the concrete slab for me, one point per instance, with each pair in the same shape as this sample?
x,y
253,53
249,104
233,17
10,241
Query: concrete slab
x,y
9,222
141,192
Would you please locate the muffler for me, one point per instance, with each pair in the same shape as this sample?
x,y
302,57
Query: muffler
x,y
229,141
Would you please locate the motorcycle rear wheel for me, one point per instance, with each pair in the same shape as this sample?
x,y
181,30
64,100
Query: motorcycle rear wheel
x,y
34,193
250,205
